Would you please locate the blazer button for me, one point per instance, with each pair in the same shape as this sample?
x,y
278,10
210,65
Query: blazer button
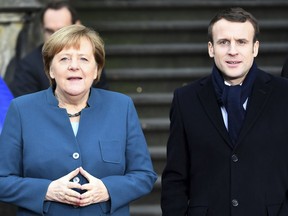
x,y
235,202
234,158
76,155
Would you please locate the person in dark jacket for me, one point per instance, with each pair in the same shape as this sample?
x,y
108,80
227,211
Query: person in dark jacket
x,y
228,144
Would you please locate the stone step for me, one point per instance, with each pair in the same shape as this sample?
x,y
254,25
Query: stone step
x,y
155,124
145,210
169,9
156,130
132,74
186,31
181,55
149,105
148,86
152,80
179,48
143,83
168,74
156,137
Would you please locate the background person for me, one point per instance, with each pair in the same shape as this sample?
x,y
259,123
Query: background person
x,y
228,144
72,145
29,75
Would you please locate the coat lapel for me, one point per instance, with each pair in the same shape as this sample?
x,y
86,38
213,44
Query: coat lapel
x,y
256,102
208,99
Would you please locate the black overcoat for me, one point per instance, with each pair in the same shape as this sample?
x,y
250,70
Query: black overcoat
x,y
205,175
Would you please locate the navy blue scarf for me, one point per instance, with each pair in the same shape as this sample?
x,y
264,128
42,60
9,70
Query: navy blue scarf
x,y
233,98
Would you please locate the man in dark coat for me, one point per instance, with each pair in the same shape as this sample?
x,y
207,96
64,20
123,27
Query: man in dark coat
x,y
227,153
29,75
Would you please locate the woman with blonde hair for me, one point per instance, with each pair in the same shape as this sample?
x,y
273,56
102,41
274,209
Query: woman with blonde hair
x,y
73,149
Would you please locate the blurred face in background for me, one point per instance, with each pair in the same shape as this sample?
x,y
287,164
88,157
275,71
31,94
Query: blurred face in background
x,y
54,20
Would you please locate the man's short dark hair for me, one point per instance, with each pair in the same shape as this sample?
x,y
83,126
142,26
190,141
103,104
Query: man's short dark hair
x,y
56,5
234,15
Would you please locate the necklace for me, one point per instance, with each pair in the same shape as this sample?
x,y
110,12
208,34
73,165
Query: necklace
x,y
76,114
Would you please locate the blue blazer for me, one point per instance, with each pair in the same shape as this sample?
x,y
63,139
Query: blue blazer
x,y
38,145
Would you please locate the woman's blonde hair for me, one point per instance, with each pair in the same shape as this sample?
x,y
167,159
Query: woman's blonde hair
x,y
70,36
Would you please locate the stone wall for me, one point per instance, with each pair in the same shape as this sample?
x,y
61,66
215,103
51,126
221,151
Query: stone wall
x,y
10,26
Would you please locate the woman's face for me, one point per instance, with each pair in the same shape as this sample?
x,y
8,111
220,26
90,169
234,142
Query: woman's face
x,y
74,70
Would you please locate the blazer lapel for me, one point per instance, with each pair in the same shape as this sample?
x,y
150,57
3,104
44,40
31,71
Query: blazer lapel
x,y
208,99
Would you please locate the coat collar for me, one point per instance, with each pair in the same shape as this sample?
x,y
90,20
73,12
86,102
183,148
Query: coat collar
x,y
256,104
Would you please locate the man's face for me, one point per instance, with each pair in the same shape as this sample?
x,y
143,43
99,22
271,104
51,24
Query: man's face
x,y
233,49
54,20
